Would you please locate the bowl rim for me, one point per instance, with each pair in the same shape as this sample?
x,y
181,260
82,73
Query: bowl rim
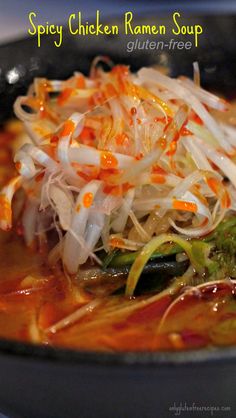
x,y
51,354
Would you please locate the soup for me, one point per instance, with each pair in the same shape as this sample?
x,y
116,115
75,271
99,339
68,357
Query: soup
x,y
119,231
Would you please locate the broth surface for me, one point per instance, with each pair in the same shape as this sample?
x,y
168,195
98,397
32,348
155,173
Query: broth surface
x,y
33,299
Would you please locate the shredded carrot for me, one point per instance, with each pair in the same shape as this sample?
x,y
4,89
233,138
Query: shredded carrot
x,y
108,160
116,242
110,90
120,70
185,132
64,95
5,210
182,205
54,139
158,179
68,128
172,148
158,119
88,200
156,169
87,136
220,191
18,166
122,139
162,143
126,187
112,190
193,116
39,177
214,185
225,200
80,82
139,156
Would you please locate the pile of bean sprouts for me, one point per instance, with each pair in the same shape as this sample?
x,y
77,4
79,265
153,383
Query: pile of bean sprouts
x,y
118,158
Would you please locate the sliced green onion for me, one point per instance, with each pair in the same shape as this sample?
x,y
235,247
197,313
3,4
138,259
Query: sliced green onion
x,y
195,254
127,258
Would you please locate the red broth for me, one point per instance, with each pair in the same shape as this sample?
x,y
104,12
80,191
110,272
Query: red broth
x,y
32,299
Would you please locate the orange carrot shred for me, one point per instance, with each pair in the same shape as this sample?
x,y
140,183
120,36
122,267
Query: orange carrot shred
x,y
182,205
5,209
88,199
116,242
108,160
80,82
68,128
64,95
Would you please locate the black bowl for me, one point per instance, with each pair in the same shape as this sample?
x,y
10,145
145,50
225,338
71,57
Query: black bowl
x,y
42,382
39,382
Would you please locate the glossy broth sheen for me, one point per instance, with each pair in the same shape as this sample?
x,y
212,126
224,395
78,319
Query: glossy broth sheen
x,y
33,298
